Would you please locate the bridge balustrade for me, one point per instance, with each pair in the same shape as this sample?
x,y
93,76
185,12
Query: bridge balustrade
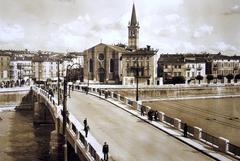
x,y
93,148
210,139
169,120
235,150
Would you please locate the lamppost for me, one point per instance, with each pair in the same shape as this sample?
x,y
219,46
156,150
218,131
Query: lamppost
x,y
88,73
65,111
19,66
136,71
58,75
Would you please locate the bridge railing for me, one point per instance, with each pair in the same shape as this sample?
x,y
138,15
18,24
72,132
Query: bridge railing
x,y
218,142
75,128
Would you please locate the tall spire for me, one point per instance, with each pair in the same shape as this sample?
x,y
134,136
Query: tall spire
x,y
134,17
133,30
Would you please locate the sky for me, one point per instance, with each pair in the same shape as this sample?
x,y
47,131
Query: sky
x,y
171,26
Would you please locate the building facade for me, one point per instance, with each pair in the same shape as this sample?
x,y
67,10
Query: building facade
x,y
101,63
44,68
20,68
4,66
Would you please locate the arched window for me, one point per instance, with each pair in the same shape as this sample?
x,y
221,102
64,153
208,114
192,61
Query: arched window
x,y
111,65
90,65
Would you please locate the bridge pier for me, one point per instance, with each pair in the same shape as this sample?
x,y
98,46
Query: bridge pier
x,y
56,146
41,114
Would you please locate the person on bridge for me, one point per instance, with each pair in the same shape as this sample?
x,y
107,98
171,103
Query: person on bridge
x,y
142,111
85,123
50,91
87,89
105,151
106,94
185,129
86,129
156,115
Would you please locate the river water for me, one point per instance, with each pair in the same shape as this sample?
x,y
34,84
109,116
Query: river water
x,y
218,117
20,140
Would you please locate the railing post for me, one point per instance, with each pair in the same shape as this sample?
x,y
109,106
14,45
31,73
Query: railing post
x,y
75,141
70,125
118,97
197,133
177,123
126,100
223,144
139,104
161,116
111,94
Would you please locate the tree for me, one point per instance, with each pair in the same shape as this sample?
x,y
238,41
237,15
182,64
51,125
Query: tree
x,y
199,78
220,77
178,80
209,78
229,77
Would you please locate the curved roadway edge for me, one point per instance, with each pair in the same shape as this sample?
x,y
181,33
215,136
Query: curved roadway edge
x,y
174,133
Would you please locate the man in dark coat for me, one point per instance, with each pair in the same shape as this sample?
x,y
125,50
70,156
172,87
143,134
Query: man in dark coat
x,y
85,122
86,129
185,129
142,110
105,151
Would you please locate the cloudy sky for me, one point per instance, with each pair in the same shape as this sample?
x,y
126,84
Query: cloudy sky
x,y
74,25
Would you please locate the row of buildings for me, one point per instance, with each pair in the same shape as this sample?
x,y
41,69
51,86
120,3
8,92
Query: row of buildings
x,y
117,64
189,66
36,66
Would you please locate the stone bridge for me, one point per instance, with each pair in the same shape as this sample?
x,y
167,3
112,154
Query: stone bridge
x,y
47,111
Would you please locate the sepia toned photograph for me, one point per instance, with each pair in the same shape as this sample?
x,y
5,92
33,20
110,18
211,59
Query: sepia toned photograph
x,y
129,80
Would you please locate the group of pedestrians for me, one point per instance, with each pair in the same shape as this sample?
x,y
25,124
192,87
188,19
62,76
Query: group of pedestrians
x,y
153,115
105,148
13,83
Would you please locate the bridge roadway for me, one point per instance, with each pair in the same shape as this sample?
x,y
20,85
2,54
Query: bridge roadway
x,y
129,138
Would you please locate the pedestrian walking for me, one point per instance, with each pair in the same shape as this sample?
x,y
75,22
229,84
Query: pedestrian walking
x,y
185,129
106,94
142,110
105,151
87,89
50,91
156,115
86,129
150,115
85,123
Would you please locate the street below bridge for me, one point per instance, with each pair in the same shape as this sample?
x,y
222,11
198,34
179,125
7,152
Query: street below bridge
x,y
129,138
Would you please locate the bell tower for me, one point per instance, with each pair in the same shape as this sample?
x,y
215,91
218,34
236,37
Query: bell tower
x,y
133,31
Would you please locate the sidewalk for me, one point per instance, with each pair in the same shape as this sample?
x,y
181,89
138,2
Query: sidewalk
x,y
204,148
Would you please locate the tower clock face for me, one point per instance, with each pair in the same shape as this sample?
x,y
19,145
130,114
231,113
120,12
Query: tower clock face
x,y
101,56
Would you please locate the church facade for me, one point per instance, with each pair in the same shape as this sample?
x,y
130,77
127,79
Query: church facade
x,y
120,64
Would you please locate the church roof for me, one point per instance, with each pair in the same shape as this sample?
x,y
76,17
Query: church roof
x,y
117,48
134,17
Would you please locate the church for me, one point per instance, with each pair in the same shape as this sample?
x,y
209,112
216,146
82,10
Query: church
x,y
120,64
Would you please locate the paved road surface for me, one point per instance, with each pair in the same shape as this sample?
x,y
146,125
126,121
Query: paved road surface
x,y
129,138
